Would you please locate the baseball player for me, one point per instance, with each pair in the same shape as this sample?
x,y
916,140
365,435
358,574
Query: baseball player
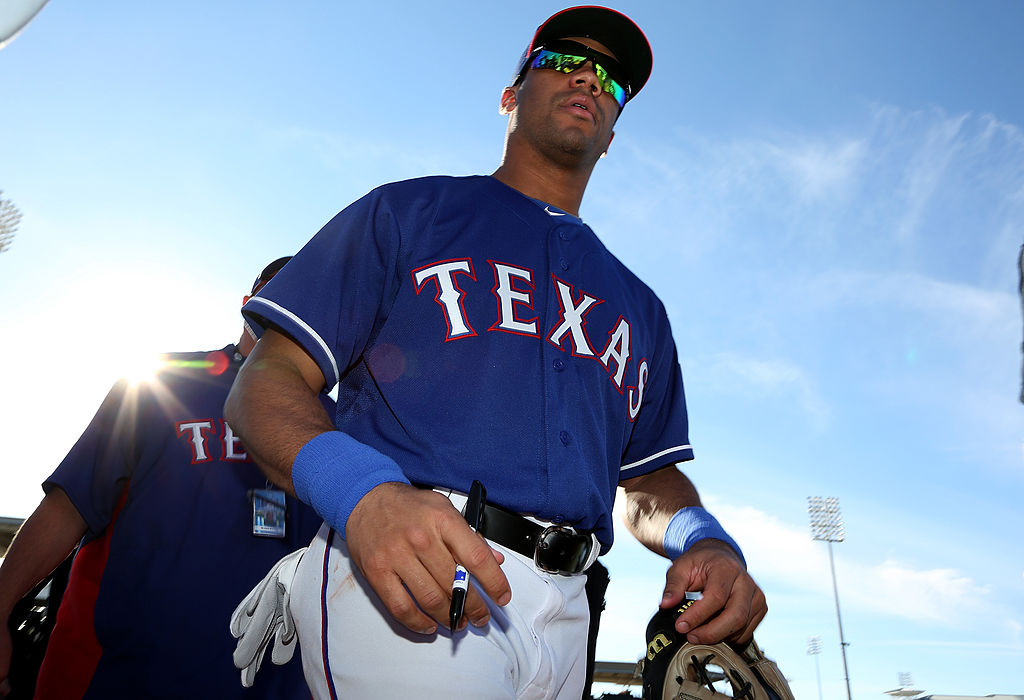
x,y
178,524
477,329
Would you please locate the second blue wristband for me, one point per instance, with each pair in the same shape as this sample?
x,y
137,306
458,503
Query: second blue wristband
x,y
691,525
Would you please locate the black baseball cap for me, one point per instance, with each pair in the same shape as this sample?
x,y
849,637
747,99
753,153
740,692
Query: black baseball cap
x,y
269,271
613,29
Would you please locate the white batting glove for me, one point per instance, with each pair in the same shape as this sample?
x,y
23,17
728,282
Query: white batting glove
x,y
264,616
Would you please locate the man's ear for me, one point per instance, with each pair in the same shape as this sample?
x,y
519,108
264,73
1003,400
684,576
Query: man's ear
x,y
508,100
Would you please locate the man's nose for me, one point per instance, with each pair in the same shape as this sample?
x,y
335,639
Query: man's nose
x,y
586,75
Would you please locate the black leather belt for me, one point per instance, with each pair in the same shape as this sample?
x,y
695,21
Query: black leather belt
x,y
555,549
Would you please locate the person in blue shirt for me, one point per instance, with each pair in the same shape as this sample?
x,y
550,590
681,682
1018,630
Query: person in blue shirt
x,y
477,329
176,525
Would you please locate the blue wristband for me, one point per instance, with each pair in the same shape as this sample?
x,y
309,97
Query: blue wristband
x,y
691,525
333,471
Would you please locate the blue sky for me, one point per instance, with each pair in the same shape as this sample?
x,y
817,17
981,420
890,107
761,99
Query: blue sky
x,y
828,197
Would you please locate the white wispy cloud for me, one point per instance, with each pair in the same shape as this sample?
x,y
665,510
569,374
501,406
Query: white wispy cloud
x,y
816,169
895,589
794,570
889,182
934,595
889,587
953,304
706,190
920,157
776,380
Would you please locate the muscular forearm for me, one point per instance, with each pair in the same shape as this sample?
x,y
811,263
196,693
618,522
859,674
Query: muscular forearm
x,y
275,411
42,543
664,512
652,500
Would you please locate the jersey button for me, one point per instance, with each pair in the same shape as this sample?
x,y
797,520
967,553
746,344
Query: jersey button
x,y
558,363
565,437
563,263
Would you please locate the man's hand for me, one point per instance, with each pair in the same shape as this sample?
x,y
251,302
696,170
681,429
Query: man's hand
x,y
732,606
407,541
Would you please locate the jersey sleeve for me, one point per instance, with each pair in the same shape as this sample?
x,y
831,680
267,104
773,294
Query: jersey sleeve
x,y
661,432
331,294
95,471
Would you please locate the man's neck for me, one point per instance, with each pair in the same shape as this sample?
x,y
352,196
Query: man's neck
x,y
537,177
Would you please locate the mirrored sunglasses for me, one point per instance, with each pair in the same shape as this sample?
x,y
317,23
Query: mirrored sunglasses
x,y
569,56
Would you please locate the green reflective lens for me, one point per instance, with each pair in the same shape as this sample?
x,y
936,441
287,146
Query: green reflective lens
x,y
567,63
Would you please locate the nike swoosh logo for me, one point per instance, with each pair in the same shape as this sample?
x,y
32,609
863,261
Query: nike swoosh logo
x,y
553,213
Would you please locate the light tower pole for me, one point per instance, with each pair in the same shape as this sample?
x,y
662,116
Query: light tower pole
x,y
827,525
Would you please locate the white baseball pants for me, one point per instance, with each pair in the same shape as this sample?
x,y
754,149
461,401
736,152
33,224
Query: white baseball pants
x,y
535,647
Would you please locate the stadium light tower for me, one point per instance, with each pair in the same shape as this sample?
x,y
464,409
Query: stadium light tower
x,y
827,525
814,648
906,689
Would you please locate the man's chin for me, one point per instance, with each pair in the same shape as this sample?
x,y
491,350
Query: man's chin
x,y
573,142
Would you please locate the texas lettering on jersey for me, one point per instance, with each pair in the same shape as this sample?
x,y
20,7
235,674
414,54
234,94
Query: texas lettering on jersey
x,y
204,432
514,289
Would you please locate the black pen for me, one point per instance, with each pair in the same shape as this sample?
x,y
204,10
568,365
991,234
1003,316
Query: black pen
x,y
473,512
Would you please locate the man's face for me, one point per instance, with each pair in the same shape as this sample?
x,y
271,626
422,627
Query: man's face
x,y
566,116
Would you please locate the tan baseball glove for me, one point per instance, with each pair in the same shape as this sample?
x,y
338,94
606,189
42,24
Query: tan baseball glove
x,y
674,669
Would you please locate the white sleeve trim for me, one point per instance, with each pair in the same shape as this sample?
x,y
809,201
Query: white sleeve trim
x,y
305,327
653,457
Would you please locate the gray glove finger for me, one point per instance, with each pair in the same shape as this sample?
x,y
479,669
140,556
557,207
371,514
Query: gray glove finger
x,y
241,618
246,609
249,671
284,647
259,631
285,634
285,581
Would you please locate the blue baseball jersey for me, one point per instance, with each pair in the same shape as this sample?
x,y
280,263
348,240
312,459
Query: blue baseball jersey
x,y
476,334
165,488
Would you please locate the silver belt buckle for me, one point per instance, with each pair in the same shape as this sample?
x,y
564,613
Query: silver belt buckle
x,y
559,544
